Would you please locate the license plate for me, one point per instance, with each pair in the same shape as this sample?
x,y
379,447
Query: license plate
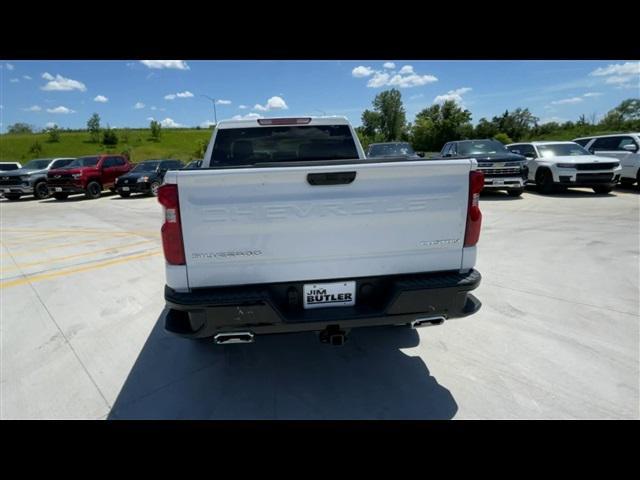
x,y
58,189
339,294
125,189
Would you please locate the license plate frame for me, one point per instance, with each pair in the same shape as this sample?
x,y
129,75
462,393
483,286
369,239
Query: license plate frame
x,y
329,294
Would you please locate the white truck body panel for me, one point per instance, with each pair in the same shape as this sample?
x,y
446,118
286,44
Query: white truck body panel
x,y
269,225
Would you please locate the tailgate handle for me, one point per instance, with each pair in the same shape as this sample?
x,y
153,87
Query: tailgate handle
x,y
332,178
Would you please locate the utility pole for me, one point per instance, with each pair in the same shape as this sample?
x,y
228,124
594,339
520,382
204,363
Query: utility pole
x,y
215,114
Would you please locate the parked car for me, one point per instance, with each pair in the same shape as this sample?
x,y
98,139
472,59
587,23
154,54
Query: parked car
x,y
288,227
554,165
624,146
88,175
391,149
503,170
30,179
7,166
145,177
193,164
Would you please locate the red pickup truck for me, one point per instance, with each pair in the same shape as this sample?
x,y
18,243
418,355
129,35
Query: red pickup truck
x,y
89,175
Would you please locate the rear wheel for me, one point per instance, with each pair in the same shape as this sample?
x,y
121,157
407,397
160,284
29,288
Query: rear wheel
x,y
93,190
40,191
12,196
60,196
602,189
544,181
516,192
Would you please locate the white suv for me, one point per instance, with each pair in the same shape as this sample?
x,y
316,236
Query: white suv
x,y
625,147
567,164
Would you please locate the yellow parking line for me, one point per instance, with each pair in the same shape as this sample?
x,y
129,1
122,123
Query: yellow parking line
x,y
67,245
19,242
85,254
71,271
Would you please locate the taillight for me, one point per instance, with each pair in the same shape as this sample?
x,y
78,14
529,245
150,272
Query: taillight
x,y
474,216
171,228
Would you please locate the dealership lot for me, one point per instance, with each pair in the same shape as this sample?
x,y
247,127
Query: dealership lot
x,y
81,292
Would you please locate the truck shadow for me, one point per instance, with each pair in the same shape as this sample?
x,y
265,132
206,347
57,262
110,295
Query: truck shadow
x,y
570,193
497,196
283,377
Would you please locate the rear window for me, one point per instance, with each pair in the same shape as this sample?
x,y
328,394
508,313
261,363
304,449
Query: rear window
x,y
248,146
390,149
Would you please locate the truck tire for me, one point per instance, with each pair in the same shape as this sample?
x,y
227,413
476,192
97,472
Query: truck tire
x,y
153,188
515,192
40,190
93,191
12,196
602,189
60,196
544,181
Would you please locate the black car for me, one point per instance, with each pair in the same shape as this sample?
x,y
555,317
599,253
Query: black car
x,y
502,169
145,177
391,149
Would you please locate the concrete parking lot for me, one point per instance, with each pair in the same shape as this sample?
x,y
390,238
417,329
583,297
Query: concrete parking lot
x,y
81,285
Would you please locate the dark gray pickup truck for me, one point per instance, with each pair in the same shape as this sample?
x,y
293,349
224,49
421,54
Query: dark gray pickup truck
x,y
31,179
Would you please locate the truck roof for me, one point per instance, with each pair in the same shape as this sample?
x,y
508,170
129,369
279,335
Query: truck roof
x,y
328,120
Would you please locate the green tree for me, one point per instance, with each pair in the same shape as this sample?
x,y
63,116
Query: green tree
x,y
156,130
109,137
20,128
440,123
93,125
485,129
502,138
35,148
53,134
625,116
516,124
387,121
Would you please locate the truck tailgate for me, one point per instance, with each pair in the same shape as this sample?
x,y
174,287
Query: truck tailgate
x,y
265,225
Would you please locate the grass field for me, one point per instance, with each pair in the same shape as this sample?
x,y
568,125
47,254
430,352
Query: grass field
x,y
180,144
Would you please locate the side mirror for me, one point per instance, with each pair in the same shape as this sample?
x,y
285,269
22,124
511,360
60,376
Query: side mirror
x,y
630,147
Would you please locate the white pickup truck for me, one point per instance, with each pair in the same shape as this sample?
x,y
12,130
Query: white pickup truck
x,y
288,227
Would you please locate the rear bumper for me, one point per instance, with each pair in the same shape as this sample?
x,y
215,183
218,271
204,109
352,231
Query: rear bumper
x,y
276,308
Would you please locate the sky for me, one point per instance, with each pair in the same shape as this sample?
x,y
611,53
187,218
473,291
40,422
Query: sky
x,y
129,93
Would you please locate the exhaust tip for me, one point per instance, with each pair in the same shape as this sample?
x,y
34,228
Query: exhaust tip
x,y
233,337
427,322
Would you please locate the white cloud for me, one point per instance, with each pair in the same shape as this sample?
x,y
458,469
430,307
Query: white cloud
x,y
592,94
151,119
274,103
566,101
619,73
157,64
223,102
138,105
455,95
242,107
33,108
405,78
248,116
51,125
60,109
14,80
380,79
361,71
9,66
60,83
389,65
101,99
27,77
207,124
169,123
173,96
